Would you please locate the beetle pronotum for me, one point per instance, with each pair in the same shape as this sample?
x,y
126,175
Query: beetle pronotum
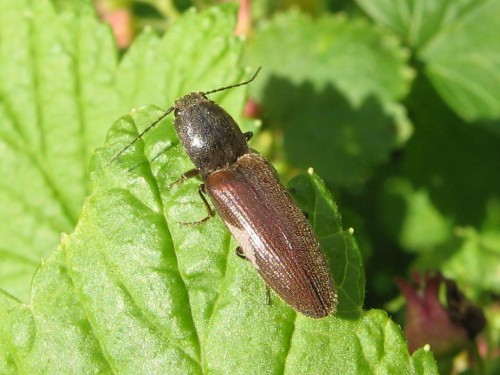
x,y
272,232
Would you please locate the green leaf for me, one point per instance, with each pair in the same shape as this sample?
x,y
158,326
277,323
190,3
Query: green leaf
x,y
424,362
454,40
458,177
462,62
197,54
132,290
416,21
335,82
50,62
411,216
476,260
61,88
344,258
471,256
465,254
445,202
53,334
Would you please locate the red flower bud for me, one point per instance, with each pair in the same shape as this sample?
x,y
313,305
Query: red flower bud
x,y
447,327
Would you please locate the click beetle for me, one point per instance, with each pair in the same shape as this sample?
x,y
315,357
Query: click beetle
x,y
272,232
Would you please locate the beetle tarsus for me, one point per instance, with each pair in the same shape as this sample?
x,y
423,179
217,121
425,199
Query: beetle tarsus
x,y
239,252
186,175
210,213
248,135
268,296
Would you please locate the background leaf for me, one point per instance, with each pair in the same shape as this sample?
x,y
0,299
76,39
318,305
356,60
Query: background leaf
x,y
468,80
73,65
454,40
45,150
417,21
315,89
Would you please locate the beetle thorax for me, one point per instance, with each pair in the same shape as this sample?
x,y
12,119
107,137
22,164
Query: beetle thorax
x,y
208,133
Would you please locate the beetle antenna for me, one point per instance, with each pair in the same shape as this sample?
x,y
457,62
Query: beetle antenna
x,y
232,86
167,112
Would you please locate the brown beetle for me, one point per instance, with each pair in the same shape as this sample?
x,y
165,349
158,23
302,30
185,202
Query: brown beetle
x,y
273,233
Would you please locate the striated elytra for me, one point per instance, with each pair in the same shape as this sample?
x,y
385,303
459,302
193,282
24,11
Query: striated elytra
x,y
272,232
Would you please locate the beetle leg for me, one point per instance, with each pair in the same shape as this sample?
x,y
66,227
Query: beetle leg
x,y
201,192
268,296
191,173
240,253
248,135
